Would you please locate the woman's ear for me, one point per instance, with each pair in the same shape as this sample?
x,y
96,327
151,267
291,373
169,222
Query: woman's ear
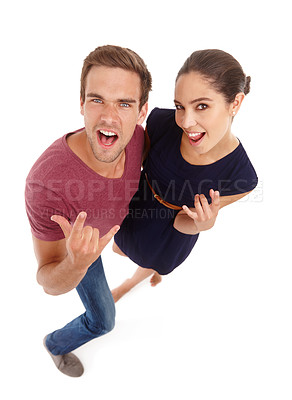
x,y
235,105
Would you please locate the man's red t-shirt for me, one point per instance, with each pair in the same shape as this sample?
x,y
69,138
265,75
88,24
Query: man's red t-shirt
x,y
61,183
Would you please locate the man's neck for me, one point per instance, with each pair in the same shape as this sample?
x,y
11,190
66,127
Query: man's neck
x,y
79,144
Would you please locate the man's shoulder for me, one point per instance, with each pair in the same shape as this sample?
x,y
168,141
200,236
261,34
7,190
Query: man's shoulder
x,y
138,137
52,161
139,131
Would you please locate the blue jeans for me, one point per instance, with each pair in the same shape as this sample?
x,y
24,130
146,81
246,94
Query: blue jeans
x,y
98,319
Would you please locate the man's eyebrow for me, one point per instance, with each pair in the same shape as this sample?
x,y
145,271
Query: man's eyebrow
x,y
196,100
91,94
126,100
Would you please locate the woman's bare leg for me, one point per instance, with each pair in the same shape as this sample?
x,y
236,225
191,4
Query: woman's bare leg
x,y
140,275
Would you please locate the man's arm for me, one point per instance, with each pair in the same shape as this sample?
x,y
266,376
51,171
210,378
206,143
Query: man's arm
x,y
62,264
56,274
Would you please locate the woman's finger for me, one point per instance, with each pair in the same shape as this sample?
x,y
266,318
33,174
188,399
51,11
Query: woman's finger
x,y
205,206
190,213
198,207
216,201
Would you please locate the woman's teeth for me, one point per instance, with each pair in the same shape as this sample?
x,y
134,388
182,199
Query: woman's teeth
x,y
196,136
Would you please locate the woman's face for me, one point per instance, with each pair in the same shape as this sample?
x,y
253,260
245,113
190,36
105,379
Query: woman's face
x,y
201,112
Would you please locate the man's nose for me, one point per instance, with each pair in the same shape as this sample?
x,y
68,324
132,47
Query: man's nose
x,y
109,113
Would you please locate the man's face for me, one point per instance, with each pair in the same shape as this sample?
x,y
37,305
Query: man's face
x,y
111,110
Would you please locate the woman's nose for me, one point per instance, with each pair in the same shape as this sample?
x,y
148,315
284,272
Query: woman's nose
x,y
188,120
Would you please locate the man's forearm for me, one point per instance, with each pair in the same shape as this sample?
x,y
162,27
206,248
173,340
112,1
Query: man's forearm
x,y
60,277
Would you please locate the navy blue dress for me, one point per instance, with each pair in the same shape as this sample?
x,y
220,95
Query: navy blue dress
x,y
147,234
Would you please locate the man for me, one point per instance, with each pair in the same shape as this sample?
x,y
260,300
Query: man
x,y
78,191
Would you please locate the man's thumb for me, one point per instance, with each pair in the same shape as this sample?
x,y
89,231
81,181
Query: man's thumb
x,y
63,223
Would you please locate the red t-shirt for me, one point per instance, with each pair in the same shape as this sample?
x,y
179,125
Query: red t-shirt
x,y
61,183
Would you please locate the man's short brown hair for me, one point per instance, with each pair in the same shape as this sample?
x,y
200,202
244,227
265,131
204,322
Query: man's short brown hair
x,y
118,57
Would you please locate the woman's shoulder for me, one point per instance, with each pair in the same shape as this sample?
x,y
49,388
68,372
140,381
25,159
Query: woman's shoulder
x,y
160,121
160,116
239,172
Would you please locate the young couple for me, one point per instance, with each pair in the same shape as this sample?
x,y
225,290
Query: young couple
x,y
193,166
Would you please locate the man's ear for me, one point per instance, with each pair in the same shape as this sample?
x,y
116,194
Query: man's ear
x,y
142,114
81,106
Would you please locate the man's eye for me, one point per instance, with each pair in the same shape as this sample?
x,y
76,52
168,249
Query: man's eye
x,y
126,105
202,106
98,101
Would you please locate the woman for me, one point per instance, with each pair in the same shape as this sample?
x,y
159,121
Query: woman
x,y
195,166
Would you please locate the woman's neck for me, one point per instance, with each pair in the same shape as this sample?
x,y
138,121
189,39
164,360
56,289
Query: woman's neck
x,y
226,145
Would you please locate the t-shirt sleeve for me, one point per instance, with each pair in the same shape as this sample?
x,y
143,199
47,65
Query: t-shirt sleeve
x,y
41,203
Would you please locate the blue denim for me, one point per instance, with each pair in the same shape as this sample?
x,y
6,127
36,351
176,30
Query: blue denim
x,y
98,319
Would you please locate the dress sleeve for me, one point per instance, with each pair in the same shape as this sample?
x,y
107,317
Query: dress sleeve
x,y
160,120
151,124
242,179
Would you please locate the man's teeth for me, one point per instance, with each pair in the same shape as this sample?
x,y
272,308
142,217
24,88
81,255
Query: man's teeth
x,y
106,133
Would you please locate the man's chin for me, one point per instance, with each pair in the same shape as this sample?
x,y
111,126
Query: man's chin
x,y
108,158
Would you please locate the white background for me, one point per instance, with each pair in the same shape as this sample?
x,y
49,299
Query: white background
x,y
219,327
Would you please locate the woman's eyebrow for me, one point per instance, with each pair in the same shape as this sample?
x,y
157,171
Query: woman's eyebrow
x,y
201,99
196,100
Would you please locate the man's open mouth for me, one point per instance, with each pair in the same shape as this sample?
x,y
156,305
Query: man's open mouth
x,y
107,138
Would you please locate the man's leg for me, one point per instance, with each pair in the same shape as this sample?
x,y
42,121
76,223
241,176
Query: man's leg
x,y
98,319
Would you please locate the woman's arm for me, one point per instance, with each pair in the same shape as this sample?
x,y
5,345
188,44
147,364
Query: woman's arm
x,y
203,217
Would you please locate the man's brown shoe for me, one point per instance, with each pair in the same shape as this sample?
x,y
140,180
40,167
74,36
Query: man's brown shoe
x,y
69,364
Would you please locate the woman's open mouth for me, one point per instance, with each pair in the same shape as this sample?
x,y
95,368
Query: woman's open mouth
x,y
196,138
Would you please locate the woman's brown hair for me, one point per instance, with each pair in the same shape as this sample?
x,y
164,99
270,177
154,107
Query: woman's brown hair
x,y
220,68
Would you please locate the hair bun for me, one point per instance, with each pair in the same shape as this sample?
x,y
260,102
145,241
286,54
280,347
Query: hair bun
x,y
247,85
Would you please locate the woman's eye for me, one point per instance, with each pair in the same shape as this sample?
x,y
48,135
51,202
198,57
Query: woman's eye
x,y
178,107
202,107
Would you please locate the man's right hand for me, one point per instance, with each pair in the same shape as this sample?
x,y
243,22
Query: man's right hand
x,y
83,244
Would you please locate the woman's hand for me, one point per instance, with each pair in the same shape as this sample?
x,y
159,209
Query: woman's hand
x,y
201,218
204,215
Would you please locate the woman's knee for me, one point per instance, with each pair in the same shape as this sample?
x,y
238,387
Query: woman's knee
x,y
117,250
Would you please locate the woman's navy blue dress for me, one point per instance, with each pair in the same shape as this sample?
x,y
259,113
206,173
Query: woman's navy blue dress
x,y
147,234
